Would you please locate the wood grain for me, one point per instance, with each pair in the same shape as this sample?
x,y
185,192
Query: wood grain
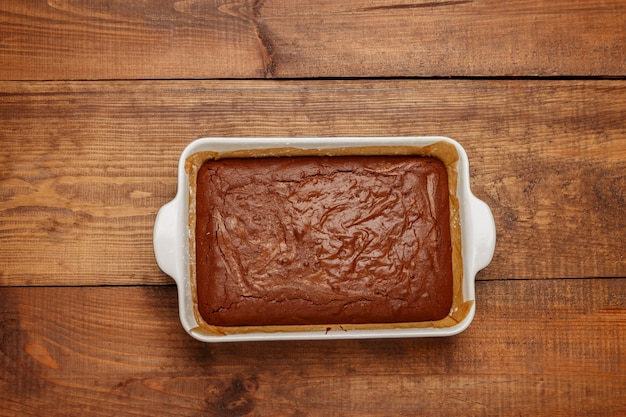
x,y
64,39
85,166
99,98
538,347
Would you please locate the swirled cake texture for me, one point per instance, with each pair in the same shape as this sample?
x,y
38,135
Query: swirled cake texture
x,y
323,240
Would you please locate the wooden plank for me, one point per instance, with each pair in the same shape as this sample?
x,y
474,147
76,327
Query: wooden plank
x,y
536,347
85,166
360,38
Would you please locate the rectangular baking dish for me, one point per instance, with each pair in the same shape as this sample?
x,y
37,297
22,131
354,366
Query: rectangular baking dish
x,y
471,220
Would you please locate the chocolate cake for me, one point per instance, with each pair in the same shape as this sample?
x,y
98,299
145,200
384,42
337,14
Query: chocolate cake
x,y
323,240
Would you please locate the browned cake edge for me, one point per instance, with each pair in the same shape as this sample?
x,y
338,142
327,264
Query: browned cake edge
x,y
444,151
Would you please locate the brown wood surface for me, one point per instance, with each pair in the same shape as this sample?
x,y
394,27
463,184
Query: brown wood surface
x,y
175,39
99,98
538,347
86,166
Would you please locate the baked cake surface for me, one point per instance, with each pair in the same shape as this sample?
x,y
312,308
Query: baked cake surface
x,y
323,240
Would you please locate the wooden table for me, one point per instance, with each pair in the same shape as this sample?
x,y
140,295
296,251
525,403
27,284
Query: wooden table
x,y
98,99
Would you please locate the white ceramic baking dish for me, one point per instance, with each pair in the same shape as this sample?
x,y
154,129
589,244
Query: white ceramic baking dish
x,y
174,234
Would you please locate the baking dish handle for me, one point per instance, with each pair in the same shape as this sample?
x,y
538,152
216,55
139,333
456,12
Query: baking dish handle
x,y
164,239
484,233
